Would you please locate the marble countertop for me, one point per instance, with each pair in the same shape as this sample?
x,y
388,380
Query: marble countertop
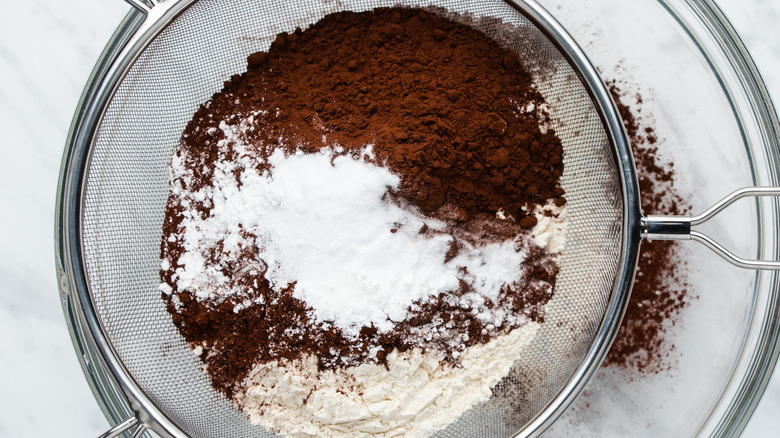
x,y
47,50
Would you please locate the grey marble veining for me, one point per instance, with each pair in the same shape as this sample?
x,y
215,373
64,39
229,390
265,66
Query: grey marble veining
x,y
47,50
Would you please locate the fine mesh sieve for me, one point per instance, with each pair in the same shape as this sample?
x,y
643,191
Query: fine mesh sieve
x,y
115,182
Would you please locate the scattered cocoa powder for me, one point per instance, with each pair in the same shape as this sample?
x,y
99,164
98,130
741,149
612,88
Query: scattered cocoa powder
x,y
444,107
660,289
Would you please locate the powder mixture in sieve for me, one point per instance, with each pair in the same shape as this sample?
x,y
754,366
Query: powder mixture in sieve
x,y
363,229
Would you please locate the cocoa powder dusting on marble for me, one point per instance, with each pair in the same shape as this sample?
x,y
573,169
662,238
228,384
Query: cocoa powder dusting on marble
x,y
444,107
660,289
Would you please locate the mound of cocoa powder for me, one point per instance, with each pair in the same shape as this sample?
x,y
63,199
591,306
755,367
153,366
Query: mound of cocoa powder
x,y
441,105
660,289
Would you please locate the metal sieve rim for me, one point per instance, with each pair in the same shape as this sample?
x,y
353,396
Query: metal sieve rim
x,y
138,30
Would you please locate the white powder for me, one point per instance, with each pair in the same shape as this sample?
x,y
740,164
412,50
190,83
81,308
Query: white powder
x,y
324,222
550,230
414,396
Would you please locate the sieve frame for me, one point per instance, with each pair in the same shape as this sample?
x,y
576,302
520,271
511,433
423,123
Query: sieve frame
x,y
114,387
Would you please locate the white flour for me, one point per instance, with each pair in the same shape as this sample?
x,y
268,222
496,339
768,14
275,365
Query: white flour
x,y
413,397
550,230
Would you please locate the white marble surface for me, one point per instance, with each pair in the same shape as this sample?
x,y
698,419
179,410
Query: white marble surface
x,y
47,50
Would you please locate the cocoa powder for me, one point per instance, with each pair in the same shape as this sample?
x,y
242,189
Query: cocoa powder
x,y
660,289
441,105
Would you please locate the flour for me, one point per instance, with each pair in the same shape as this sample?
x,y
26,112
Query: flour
x,y
415,395
550,230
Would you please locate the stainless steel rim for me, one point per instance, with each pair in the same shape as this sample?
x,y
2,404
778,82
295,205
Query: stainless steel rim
x,y
703,20
112,384
111,381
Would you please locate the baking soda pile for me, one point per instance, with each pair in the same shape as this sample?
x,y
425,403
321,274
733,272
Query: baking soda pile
x,y
344,278
326,224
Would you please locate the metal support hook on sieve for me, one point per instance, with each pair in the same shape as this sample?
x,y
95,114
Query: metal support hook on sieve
x,y
143,5
655,227
125,426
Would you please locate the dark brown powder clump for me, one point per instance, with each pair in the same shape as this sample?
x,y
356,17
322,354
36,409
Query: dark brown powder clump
x,y
437,99
445,108
660,290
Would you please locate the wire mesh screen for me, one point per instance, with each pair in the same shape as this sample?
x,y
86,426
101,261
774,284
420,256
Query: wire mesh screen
x,y
128,183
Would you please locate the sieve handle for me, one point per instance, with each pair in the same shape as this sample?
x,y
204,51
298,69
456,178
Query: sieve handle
x,y
125,426
143,5
679,228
